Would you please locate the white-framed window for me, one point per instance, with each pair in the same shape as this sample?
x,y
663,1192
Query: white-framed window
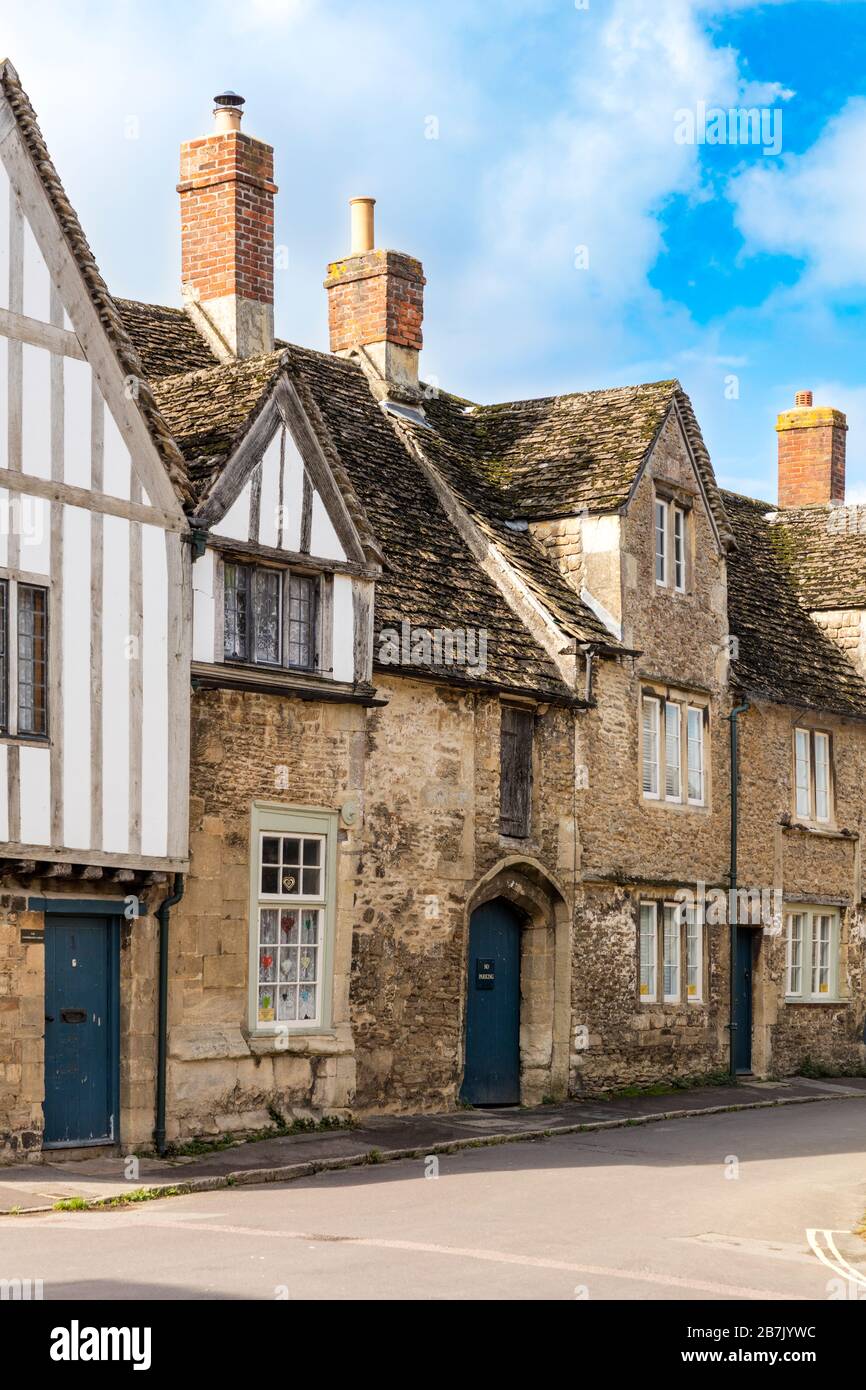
x,y
694,955
812,953
813,775
671,544
293,883
650,740
670,950
661,535
648,952
695,727
684,754
679,518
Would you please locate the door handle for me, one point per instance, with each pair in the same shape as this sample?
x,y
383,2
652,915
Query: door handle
x,y
49,1018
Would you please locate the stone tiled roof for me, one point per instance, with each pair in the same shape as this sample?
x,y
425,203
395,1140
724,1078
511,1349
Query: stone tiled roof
x,y
210,411
784,655
429,576
825,552
166,340
562,454
111,320
431,579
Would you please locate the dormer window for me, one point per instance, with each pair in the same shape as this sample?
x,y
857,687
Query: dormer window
x,y
671,521
269,616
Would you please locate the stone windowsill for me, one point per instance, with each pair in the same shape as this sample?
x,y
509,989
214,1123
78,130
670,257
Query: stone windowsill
x,y
322,1044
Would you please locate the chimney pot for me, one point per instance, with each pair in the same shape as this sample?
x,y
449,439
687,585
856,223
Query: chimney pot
x,y
363,235
375,301
803,398
228,110
227,203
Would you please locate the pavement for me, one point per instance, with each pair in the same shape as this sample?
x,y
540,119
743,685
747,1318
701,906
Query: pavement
x,y
38,1187
737,1206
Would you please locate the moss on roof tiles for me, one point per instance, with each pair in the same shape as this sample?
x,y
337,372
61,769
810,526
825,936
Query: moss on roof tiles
x,y
825,551
784,655
166,340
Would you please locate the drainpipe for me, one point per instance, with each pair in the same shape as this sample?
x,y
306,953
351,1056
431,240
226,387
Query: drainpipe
x,y
162,915
732,875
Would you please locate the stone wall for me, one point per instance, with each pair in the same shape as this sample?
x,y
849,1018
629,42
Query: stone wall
x,y
253,747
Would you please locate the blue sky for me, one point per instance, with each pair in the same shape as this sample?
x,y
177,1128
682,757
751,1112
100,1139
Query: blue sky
x,y
555,130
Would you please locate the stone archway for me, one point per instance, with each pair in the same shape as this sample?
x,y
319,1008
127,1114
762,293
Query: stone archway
x,y
545,971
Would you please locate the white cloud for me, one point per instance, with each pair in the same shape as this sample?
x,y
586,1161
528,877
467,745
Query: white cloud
x,y
812,206
597,174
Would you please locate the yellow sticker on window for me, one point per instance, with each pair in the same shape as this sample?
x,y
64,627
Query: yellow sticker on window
x,y
824,988
693,989
644,989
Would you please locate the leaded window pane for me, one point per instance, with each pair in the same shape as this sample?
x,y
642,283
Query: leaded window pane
x,y
301,645
266,610
32,659
236,607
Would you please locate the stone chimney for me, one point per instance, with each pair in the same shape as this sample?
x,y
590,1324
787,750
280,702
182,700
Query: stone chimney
x,y
811,454
376,301
227,228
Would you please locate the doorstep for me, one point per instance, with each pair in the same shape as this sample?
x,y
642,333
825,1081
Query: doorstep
x,y
98,1180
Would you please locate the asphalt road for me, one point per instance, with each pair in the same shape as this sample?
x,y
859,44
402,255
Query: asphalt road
x,y
710,1208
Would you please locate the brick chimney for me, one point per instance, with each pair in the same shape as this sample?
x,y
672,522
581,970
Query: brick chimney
x,y
811,454
376,301
227,229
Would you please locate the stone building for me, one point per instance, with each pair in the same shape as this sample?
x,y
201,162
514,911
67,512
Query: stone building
x,y
440,732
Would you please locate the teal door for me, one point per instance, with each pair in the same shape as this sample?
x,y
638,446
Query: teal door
x,y
492,1072
742,999
80,1031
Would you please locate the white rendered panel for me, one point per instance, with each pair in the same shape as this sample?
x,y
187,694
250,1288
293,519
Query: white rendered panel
x,y
5,524
35,765
293,495
32,517
204,614
116,466
236,522
76,677
344,630
156,740
37,281
115,685
76,430
4,400
36,417
269,517
4,238
324,541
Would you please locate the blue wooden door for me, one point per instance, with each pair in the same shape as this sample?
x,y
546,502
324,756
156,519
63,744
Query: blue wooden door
x,y
742,1019
80,1027
492,1073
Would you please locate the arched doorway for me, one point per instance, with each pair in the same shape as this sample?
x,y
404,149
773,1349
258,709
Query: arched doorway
x,y
533,917
492,1071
